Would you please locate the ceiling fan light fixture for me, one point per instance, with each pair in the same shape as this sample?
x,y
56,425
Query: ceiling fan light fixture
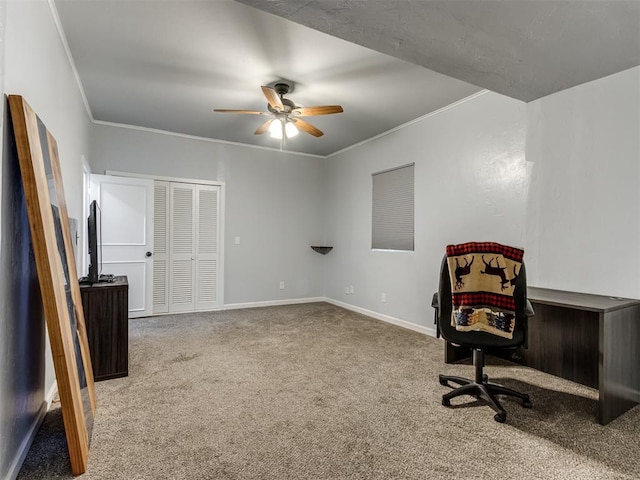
x,y
275,129
290,129
282,128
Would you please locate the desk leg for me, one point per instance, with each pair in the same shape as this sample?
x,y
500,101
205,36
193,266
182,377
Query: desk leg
x,y
619,375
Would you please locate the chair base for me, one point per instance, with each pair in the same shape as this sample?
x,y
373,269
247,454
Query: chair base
x,y
481,389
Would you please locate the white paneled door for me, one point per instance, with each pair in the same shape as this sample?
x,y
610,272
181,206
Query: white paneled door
x,y
187,238
126,206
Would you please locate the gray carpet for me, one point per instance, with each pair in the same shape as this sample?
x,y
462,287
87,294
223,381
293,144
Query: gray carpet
x,y
318,392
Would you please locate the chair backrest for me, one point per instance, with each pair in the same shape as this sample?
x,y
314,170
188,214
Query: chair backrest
x,y
481,339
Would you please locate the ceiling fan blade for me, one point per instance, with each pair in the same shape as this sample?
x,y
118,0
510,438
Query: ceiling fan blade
x,y
307,127
273,98
250,112
319,110
264,127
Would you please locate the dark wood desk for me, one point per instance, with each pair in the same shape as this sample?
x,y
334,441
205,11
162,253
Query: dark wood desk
x,y
106,316
589,339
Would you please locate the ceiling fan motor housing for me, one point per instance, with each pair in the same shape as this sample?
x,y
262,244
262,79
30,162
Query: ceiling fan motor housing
x,y
288,106
282,88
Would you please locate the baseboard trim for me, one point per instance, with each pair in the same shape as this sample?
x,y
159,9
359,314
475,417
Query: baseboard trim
x,y
385,318
48,397
272,303
15,466
369,313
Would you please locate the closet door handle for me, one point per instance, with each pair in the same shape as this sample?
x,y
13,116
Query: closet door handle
x,y
148,254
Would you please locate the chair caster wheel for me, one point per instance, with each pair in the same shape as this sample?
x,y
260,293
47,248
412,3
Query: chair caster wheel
x,y
527,404
443,381
446,402
500,417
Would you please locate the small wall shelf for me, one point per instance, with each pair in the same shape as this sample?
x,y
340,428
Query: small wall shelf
x,y
321,249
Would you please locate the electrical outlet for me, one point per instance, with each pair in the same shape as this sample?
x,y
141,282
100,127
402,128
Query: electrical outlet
x,y
281,285
236,240
383,297
351,289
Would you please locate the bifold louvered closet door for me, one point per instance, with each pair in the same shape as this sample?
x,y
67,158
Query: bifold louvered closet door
x,y
187,226
161,247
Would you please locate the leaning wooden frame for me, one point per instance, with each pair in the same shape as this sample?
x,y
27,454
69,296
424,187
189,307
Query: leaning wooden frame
x,y
53,250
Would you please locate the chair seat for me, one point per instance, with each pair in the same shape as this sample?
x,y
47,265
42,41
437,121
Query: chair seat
x,y
484,340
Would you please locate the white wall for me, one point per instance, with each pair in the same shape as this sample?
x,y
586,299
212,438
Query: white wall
x,y
559,176
584,211
36,67
274,203
471,183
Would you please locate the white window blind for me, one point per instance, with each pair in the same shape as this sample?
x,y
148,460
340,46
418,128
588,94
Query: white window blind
x,y
393,199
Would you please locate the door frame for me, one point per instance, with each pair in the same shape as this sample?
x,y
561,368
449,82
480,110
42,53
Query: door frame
x,y
82,228
197,181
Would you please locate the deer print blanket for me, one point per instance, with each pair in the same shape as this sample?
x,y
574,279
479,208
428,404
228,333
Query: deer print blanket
x,y
483,277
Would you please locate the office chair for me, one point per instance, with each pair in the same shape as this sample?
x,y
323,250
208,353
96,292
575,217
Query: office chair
x,y
480,342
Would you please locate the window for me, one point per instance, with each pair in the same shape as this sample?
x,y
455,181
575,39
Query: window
x,y
393,198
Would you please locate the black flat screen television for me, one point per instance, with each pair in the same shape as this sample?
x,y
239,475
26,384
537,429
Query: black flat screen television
x,y
94,236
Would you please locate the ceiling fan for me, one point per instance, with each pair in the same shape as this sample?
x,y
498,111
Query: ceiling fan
x,y
285,118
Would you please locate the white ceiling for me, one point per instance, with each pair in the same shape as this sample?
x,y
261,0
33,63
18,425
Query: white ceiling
x,y
167,64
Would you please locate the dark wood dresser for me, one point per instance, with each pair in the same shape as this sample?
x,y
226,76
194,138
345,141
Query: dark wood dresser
x,y
106,306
